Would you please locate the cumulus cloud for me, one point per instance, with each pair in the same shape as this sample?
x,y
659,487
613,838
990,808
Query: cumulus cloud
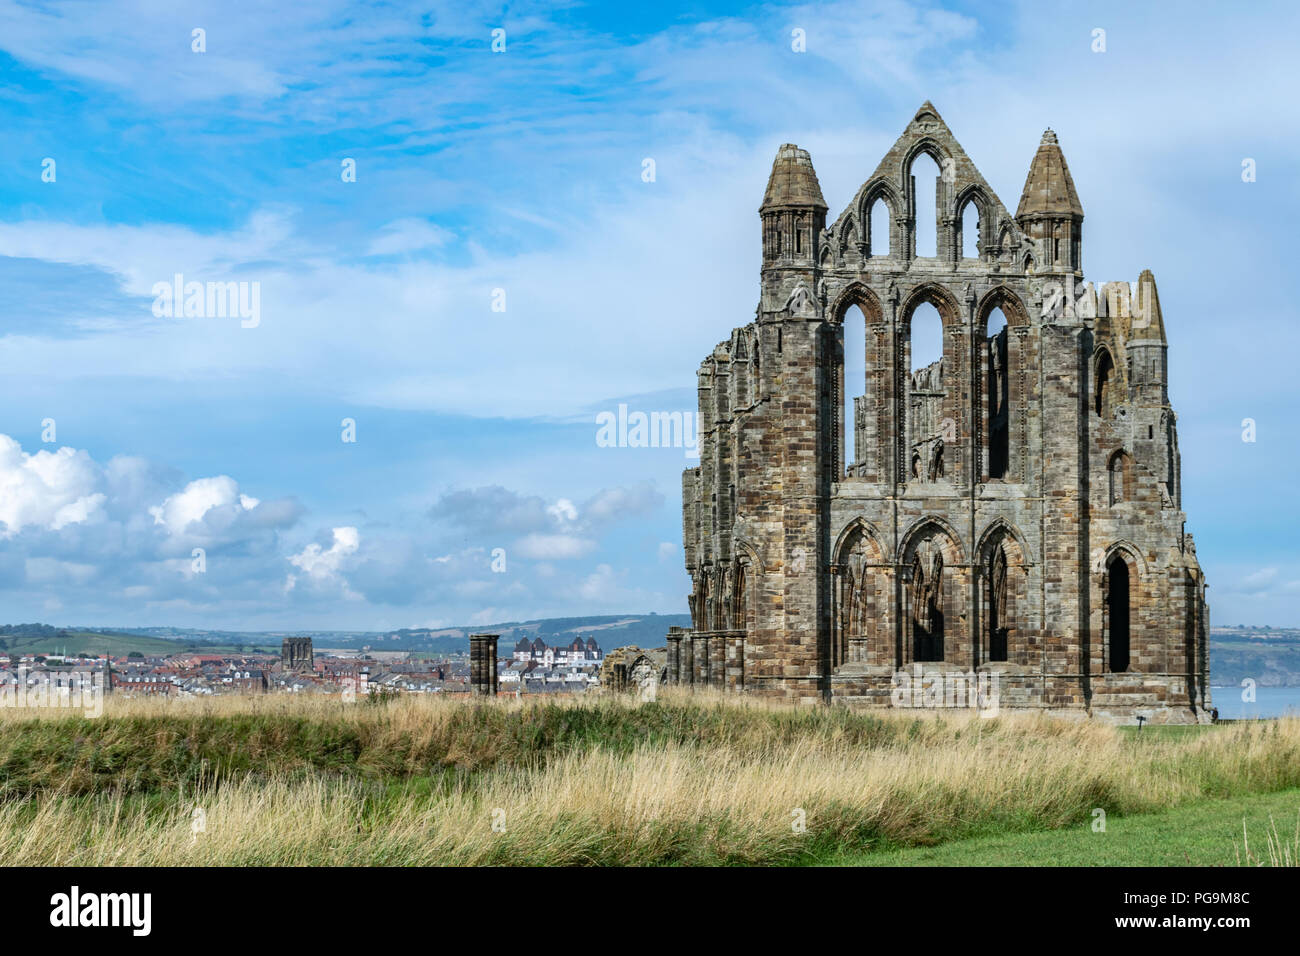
x,y
318,562
325,566
98,536
199,498
48,490
563,511
88,535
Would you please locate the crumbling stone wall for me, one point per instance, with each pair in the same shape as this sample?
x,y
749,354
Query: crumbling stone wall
x,y
1013,509
631,668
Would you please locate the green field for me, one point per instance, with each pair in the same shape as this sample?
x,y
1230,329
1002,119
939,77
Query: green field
x,y
116,645
1204,833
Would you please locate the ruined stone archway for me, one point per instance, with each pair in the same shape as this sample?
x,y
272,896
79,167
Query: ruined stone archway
x,y
860,589
932,575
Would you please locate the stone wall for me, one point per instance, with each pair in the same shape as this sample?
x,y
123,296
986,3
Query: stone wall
x,y
633,668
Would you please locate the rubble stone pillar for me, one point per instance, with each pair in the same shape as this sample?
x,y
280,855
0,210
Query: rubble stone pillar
x,y
483,664
674,655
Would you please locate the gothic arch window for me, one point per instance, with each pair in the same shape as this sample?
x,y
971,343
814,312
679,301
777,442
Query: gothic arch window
x,y
707,602
848,233
1001,595
998,598
1004,242
878,218
740,606
998,395
855,381
1119,608
931,579
926,389
719,596
859,598
1103,385
855,309
969,224
926,592
923,180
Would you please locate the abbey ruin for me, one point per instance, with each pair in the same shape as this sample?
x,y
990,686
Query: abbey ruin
x,y
1011,509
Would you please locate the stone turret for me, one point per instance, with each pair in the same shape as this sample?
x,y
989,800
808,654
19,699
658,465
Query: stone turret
x,y
1050,212
793,210
1146,348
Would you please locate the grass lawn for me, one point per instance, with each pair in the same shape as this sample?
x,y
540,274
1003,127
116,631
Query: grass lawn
x,y
1205,833
691,779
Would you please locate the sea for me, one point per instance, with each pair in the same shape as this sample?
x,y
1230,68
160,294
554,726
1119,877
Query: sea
x,y
1268,702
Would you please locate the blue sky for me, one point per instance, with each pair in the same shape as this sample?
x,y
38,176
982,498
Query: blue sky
x,y
521,171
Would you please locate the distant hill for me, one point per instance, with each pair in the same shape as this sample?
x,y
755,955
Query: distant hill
x,y
44,639
610,631
1269,656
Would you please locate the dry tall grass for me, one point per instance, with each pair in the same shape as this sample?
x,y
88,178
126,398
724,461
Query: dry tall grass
x,y
1278,850
733,792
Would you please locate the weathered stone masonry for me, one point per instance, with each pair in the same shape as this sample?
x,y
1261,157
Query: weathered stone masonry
x,y
483,679
1014,508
